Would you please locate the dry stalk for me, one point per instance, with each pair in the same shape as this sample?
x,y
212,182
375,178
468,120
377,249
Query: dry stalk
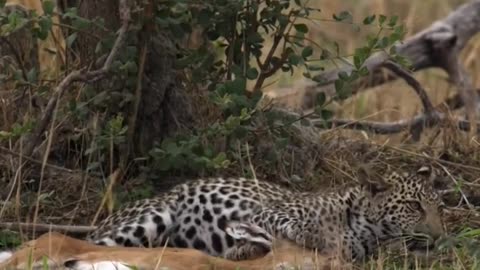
x,y
51,166
464,197
46,227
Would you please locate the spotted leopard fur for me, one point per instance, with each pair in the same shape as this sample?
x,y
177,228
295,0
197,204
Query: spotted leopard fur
x,y
353,221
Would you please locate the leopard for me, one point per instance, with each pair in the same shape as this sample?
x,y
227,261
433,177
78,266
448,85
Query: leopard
x,y
353,221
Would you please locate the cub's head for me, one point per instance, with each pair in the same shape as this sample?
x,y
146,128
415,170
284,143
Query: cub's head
x,y
406,205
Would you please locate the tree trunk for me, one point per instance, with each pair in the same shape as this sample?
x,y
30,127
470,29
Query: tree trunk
x,y
164,106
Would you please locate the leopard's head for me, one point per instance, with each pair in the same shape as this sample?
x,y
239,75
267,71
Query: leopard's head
x,y
406,206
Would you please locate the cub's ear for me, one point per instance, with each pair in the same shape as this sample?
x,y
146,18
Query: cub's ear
x,y
425,171
372,186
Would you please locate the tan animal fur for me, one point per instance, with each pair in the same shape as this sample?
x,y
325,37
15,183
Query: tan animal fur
x,y
59,248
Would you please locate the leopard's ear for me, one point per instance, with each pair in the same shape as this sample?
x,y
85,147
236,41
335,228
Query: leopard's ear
x,y
429,175
425,171
369,183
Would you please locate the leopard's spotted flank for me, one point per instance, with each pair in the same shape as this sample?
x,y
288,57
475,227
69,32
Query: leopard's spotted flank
x,y
354,220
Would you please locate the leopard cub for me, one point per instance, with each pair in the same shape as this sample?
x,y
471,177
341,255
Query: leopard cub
x,y
353,221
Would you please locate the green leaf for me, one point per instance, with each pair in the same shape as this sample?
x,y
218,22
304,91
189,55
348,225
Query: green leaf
x,y
319,78
338,85
294,59
393,50
357,61
45,24
382,19
99,47
326,114
70,39
305,122
363,71
343,16
307,51
369,20
204,17
252,73
320,99
255,38
32,75
325,54
382,43
172,149
345,91
80,23
130,67
48,7
301,27
315,68
343,76
393,21
236,86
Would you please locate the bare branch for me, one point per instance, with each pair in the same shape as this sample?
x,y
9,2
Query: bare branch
x,y
265,69
124,10
79,75
10,152
432,47
424,120
422,94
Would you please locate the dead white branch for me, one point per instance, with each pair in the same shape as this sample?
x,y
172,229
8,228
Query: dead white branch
x,y
435,46
422,120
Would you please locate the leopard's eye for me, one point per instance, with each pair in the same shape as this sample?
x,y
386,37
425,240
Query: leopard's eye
x,y
414,205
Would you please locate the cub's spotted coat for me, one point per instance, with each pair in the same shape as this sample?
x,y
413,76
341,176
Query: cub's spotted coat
x,y
353,221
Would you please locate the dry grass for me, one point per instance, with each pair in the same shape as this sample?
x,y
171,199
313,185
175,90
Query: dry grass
x,y
391,101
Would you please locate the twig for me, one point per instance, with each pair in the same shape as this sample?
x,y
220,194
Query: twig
x,y
429,110
10,152
393,127
107,198
79,75
39,227
451,163
138,96
464,197
265,69
144,41
382,127
414,83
